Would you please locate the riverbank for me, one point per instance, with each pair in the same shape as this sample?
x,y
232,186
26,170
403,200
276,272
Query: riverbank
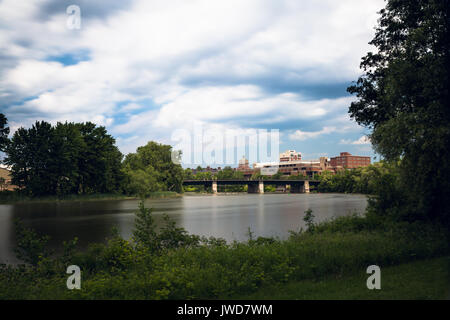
x,y
11,197
327,254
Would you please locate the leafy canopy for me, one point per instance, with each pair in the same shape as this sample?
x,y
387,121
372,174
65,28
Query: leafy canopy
x,y
403,96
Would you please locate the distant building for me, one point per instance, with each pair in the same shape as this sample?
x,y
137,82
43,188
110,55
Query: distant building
x,y
348,161
291,163
290,155
243,164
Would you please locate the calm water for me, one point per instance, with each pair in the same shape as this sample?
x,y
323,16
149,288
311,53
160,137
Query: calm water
x,y
226,216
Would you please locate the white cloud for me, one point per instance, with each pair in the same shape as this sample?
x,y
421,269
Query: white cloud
x,y
157,50
364,140
304,135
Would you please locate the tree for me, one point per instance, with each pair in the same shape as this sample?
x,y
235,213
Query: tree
x,y
229,173
403,97
159,172
4,132
67,146
100,161
31,247
30,154
226,173
141,182
188,174
68,158
170,236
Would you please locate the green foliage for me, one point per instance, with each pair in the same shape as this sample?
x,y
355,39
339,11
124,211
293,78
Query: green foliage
x,y
203,175
118,254
277,176
374,180
151,169
69,158
403,97
31,248
269,188
419,280
120,270
381,181
145,229
17,197
4,132
309,220
229,173
169,236
168,263
141,182
100,164
69,250
188,174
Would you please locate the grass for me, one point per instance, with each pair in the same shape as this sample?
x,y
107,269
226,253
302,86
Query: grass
x,y
420,280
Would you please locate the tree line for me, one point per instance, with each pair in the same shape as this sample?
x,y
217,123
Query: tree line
x,y
82,158
370,180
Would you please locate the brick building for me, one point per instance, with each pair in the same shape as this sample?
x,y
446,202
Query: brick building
x,y
348,161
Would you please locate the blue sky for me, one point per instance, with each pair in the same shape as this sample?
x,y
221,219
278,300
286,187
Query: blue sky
x,y
145,69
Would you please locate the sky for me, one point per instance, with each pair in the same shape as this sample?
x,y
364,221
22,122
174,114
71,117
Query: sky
x,y
147,69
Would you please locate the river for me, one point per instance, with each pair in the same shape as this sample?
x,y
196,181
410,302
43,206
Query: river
x,y
225,216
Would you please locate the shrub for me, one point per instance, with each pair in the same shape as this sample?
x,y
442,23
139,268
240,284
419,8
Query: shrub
x,y
31,248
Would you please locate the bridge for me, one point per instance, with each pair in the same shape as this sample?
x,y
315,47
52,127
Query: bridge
x,y
256,186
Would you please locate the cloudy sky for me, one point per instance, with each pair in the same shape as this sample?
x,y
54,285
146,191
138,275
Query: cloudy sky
x,y
146,68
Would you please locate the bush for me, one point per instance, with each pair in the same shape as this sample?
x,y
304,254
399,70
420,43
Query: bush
x,y
169,237
31,248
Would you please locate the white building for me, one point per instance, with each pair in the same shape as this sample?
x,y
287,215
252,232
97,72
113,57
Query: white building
x,y
290,155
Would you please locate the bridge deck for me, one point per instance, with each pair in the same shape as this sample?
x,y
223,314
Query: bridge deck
x,y
236,182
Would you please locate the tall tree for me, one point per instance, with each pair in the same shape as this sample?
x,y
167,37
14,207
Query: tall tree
x,y
64,159
159,173
4,132
403,96
67,147
100,160
29,154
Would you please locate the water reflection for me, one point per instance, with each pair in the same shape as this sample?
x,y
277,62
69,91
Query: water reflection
x,y
226,216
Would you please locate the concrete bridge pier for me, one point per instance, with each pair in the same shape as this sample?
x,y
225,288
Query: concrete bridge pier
x,y
300,187
261,187
256,188
306,186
